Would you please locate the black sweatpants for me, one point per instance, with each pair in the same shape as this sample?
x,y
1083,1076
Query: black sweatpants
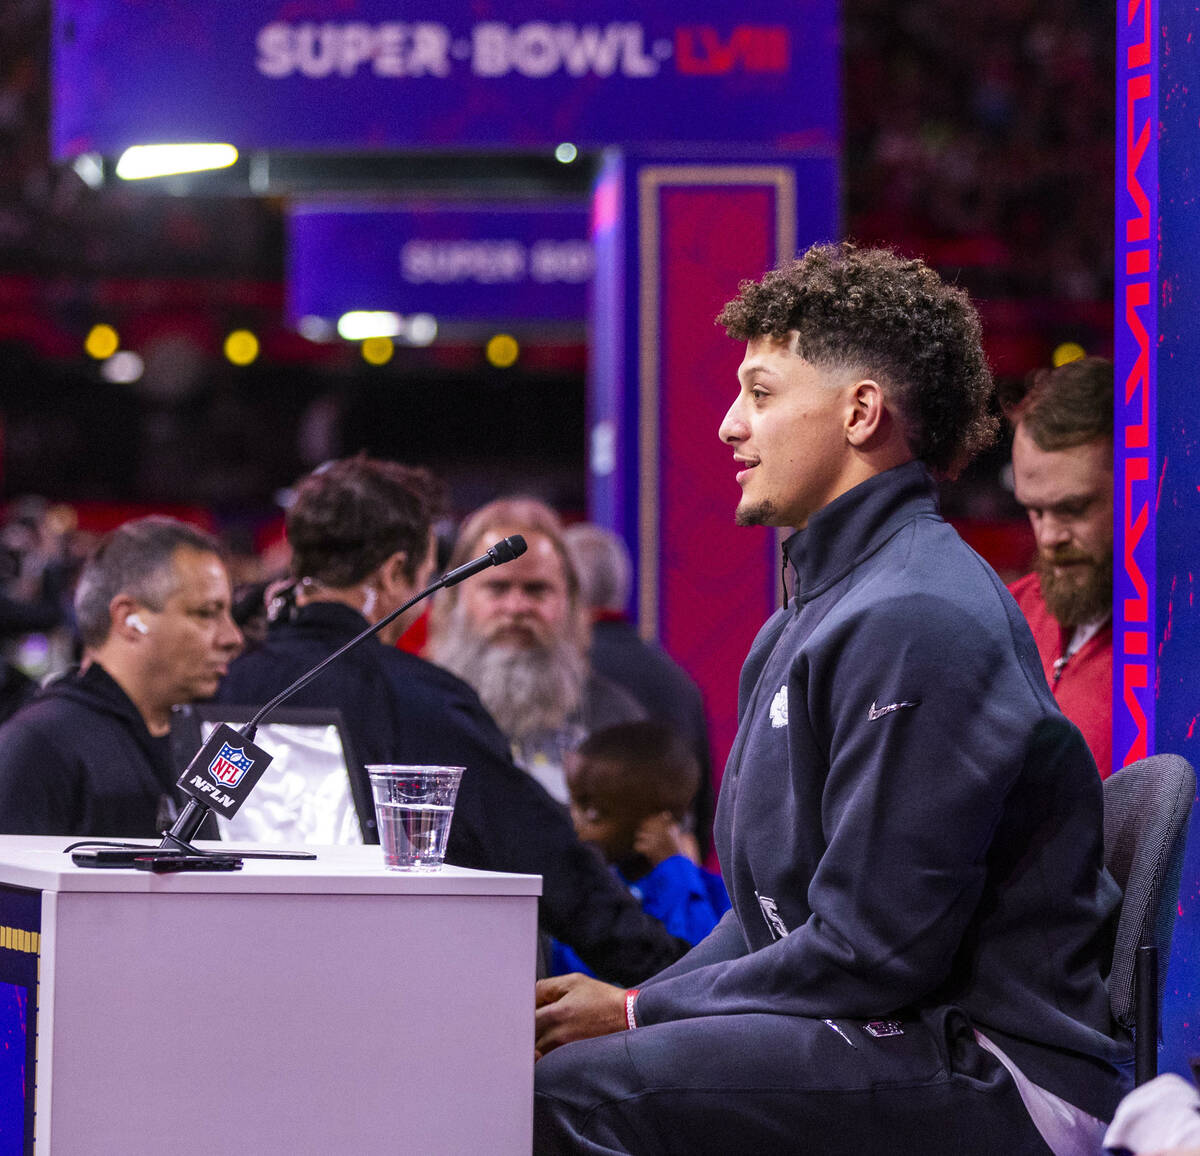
x,y
765,1084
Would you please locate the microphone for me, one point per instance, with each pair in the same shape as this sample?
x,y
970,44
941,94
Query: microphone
x,y
503,551
223,772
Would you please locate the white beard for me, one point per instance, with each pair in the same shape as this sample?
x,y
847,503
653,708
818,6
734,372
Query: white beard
x,y
527,690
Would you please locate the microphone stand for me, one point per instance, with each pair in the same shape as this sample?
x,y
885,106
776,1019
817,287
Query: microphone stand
x,y
176,842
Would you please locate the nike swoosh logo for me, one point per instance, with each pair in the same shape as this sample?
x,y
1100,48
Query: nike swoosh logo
x,y
879,711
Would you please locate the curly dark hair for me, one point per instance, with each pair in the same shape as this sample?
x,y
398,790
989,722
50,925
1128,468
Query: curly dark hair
x,y
350,515
894,318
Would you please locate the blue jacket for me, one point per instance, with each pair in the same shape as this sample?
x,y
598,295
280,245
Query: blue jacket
x,y
686,898
906,820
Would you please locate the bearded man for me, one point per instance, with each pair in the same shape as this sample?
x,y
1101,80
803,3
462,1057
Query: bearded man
x,y
519,635
1063,475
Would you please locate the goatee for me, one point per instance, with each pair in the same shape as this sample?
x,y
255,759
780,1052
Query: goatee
x,y
758,514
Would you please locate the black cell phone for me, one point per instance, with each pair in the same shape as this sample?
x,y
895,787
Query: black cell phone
x,y
150,859
161,863
107,857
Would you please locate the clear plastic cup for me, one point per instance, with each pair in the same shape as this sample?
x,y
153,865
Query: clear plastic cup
x,y
413,808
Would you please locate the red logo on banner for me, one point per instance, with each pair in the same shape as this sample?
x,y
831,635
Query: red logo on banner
x,y
700,51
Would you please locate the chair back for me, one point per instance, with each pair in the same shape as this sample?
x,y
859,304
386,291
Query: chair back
x,y
314,791
1147,806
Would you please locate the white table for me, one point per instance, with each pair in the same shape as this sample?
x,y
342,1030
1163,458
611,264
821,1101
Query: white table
x,y
292,1007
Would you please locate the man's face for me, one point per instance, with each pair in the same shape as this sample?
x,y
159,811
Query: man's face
x,y
524,603
1068,495
191,640
787,432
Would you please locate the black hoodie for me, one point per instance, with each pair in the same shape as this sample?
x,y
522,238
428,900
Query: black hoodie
x,y
78,760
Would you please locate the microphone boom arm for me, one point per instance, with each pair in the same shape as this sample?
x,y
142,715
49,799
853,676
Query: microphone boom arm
x,y
193,814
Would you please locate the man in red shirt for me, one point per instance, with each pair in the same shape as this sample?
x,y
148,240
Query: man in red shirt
x,y
1063,475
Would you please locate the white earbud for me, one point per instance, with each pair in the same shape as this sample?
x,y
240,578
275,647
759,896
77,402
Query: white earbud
x,y
135,621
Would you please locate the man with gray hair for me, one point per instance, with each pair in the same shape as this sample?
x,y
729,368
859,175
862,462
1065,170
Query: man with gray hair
x,y
519,635
90,755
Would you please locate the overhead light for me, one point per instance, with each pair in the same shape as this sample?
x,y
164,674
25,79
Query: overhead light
x,y
141,161
421,329
363,323
1067,351
241,347
123,368
502,351
102,342
377,350
565,153
89,168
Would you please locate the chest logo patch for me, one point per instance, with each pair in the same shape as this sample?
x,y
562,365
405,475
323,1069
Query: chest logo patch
x,y
779,708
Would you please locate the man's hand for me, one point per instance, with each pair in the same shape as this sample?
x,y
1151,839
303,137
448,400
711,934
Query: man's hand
x,y
575,1007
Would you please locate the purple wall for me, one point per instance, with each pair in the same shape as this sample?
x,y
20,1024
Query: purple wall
x,y
1156,623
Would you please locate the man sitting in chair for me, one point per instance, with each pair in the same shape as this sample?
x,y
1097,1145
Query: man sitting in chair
x,y
909,828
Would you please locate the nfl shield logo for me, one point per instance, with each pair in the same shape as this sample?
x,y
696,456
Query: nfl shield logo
x,y
230,765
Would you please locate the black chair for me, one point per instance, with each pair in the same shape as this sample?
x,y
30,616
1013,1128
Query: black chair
x,y
1147,806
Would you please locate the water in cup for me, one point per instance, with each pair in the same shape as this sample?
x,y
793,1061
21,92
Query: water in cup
x,y
413,834
414,806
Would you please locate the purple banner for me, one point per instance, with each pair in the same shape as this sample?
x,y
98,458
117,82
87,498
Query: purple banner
x,y
673,239
1134,341
1160,86
357,74
487,262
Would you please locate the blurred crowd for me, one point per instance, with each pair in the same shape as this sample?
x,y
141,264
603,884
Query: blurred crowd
x,y
979,138
41,551
982,137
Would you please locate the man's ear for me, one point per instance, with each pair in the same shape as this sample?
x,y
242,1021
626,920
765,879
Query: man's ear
x,y
124,618
867,417
393,570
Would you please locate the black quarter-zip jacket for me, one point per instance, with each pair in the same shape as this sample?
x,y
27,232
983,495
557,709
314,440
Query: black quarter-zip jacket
x,y
907,821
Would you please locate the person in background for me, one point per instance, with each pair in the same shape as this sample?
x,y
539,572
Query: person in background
x,y
1062,459
910,830
362,538
631,787
619,653
40,557
90,754
519,635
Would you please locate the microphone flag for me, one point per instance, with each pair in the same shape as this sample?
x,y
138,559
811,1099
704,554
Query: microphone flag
x,y
224,771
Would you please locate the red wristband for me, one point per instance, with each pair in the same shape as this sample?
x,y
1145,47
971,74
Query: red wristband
x,y
630,996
